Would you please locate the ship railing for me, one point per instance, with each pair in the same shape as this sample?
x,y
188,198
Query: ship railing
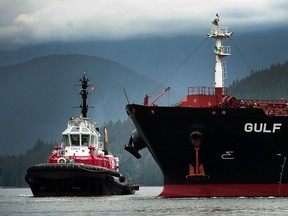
x,y
216,30
201,90
267,102
204,90
270,107
222,50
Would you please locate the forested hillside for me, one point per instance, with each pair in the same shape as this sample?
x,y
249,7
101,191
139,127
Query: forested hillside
x,y
270,83
13,168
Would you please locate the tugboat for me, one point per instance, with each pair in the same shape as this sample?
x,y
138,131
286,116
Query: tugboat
x,y
212,144
82,165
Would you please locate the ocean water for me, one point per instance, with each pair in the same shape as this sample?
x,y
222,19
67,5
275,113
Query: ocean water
x,y
145,202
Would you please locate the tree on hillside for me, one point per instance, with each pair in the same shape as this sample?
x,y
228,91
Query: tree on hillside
x,y
13,168
270,84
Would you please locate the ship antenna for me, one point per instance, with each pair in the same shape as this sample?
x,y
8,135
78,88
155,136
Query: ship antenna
x,y
126,96
84,93
220,52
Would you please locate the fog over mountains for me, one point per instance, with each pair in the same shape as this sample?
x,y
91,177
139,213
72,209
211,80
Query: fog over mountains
x,y
157,58
37,82
38,96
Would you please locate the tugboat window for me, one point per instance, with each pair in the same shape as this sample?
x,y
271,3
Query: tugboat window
x,y
75,129
65,140
85,140
85,130
75,140
92,141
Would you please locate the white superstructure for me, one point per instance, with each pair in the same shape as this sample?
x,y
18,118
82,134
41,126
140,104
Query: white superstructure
x,y
220,51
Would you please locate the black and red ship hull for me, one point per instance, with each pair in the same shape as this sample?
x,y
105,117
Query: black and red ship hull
x,y
73,179
214,151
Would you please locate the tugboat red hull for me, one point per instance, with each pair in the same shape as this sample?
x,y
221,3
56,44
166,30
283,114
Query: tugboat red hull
x,y
76,180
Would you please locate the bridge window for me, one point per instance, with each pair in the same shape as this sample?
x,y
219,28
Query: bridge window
x,y
85,139
65,140
75,140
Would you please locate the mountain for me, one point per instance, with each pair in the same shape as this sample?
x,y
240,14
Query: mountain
x,y
266,84
159,57
38,96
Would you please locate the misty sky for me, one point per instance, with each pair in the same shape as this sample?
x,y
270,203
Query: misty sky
x,y
26,22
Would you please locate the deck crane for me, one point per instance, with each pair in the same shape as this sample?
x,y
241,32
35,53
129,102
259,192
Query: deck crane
x,y
161,93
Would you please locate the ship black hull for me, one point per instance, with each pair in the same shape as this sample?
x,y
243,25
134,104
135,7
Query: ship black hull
x,y
242,152
75,180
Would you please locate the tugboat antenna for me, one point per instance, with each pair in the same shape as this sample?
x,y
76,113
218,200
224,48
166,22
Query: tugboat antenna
x,y
84,93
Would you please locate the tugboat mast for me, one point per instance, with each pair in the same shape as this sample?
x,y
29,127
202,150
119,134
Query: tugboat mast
x,y
84,93
220,52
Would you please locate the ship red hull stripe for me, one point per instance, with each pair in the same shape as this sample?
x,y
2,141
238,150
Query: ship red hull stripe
x,y
222,190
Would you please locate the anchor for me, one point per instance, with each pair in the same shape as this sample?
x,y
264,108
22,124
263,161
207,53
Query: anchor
x,y
197,173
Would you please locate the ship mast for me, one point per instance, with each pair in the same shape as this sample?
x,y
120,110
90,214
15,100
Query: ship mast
x,y
84,93
220,52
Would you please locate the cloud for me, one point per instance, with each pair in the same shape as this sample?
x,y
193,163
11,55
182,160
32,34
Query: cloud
x,y
32,21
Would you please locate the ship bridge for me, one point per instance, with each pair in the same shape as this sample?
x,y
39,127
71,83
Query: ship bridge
x,y
78,136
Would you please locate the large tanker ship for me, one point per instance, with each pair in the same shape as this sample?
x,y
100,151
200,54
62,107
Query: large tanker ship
x,y
212,144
